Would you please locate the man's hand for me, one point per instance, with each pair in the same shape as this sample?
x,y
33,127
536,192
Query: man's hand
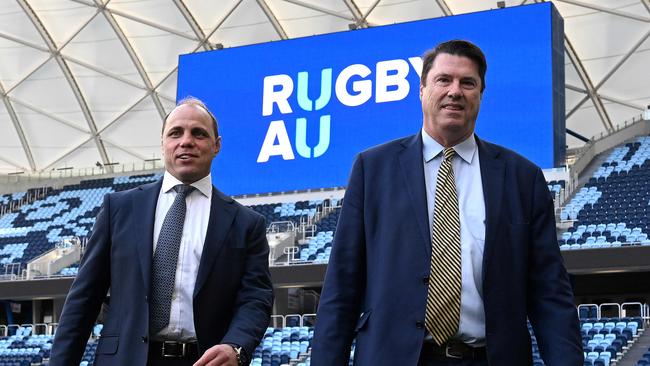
x,y
219,355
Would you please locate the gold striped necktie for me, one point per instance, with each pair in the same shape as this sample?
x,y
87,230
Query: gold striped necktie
x,y
443,298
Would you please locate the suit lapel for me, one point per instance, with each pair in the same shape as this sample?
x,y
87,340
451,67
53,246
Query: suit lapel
x,y
413,172
493,175
222,214
144,206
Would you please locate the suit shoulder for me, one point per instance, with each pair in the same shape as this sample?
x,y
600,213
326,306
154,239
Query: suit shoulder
x,y
510,156
387,148
128,193
243,212
247,211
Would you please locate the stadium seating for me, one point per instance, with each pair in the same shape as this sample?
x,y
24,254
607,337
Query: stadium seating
x,y
296,212
69,271
317,248
611,210
38,226
603,339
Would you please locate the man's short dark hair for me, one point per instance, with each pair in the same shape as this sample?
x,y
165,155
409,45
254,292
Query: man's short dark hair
x,y
190,100
455,47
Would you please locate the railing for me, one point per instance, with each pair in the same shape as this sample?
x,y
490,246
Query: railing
x,y
621,310
281,227
616,306
617,128
18,177
291,254
31,196
36,328
304,320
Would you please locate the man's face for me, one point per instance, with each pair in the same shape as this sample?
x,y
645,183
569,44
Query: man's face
x,y
189,143
451,99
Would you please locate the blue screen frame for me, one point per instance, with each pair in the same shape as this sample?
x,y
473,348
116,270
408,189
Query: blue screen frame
x,y
522,107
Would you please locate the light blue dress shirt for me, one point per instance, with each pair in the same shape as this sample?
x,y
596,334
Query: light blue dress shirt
x,y
469,187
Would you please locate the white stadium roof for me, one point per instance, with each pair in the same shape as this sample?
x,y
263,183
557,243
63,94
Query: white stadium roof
x,y
86,81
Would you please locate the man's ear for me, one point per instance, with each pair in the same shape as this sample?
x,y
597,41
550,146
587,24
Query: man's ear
x,y
217,146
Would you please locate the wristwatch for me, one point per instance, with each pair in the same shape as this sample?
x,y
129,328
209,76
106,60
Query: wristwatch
x,y
241,354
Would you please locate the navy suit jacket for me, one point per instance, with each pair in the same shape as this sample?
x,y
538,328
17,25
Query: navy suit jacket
x,y
376,282
233,294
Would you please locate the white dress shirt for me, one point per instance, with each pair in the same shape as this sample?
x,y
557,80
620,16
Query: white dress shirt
x,y
469,187
181,316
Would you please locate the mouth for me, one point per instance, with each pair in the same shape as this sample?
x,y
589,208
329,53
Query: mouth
x,y
185,156
453,107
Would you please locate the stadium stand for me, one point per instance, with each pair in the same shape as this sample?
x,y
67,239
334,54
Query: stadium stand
x,y
611,210
37,227
12,201
605,341
601,210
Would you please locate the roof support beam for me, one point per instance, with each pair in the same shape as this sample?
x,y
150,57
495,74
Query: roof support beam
x,y
19,130
48,115
67,153
359,20
586,81
103,7
189,18
370,10
607,98
444,7
24,43
613,70
272,18
108,125
638,107
126,150
321,9
13,163
17,83
133,55
607,10
68,75
220,23
104,72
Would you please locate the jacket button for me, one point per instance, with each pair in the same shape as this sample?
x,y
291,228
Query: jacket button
x,y
144,339
419,324
425,280
146,298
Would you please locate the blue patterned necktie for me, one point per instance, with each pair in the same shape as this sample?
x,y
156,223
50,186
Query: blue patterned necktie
x,y
165,259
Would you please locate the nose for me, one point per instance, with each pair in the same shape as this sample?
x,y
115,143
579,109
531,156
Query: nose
x,y
455,91
187,139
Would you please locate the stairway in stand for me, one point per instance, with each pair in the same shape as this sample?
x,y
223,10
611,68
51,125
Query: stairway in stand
x,y
638,348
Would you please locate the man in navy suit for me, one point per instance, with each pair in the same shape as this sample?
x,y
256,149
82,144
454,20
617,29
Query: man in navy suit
x,y
382,277
211,305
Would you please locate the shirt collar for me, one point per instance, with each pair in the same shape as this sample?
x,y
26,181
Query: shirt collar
x,y
203,185
431,148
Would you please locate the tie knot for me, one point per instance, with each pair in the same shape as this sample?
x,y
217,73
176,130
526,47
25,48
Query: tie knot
x,y
448,153
183,189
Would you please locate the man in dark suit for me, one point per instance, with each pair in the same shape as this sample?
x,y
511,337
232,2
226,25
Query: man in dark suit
x,y
446,244
186,266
